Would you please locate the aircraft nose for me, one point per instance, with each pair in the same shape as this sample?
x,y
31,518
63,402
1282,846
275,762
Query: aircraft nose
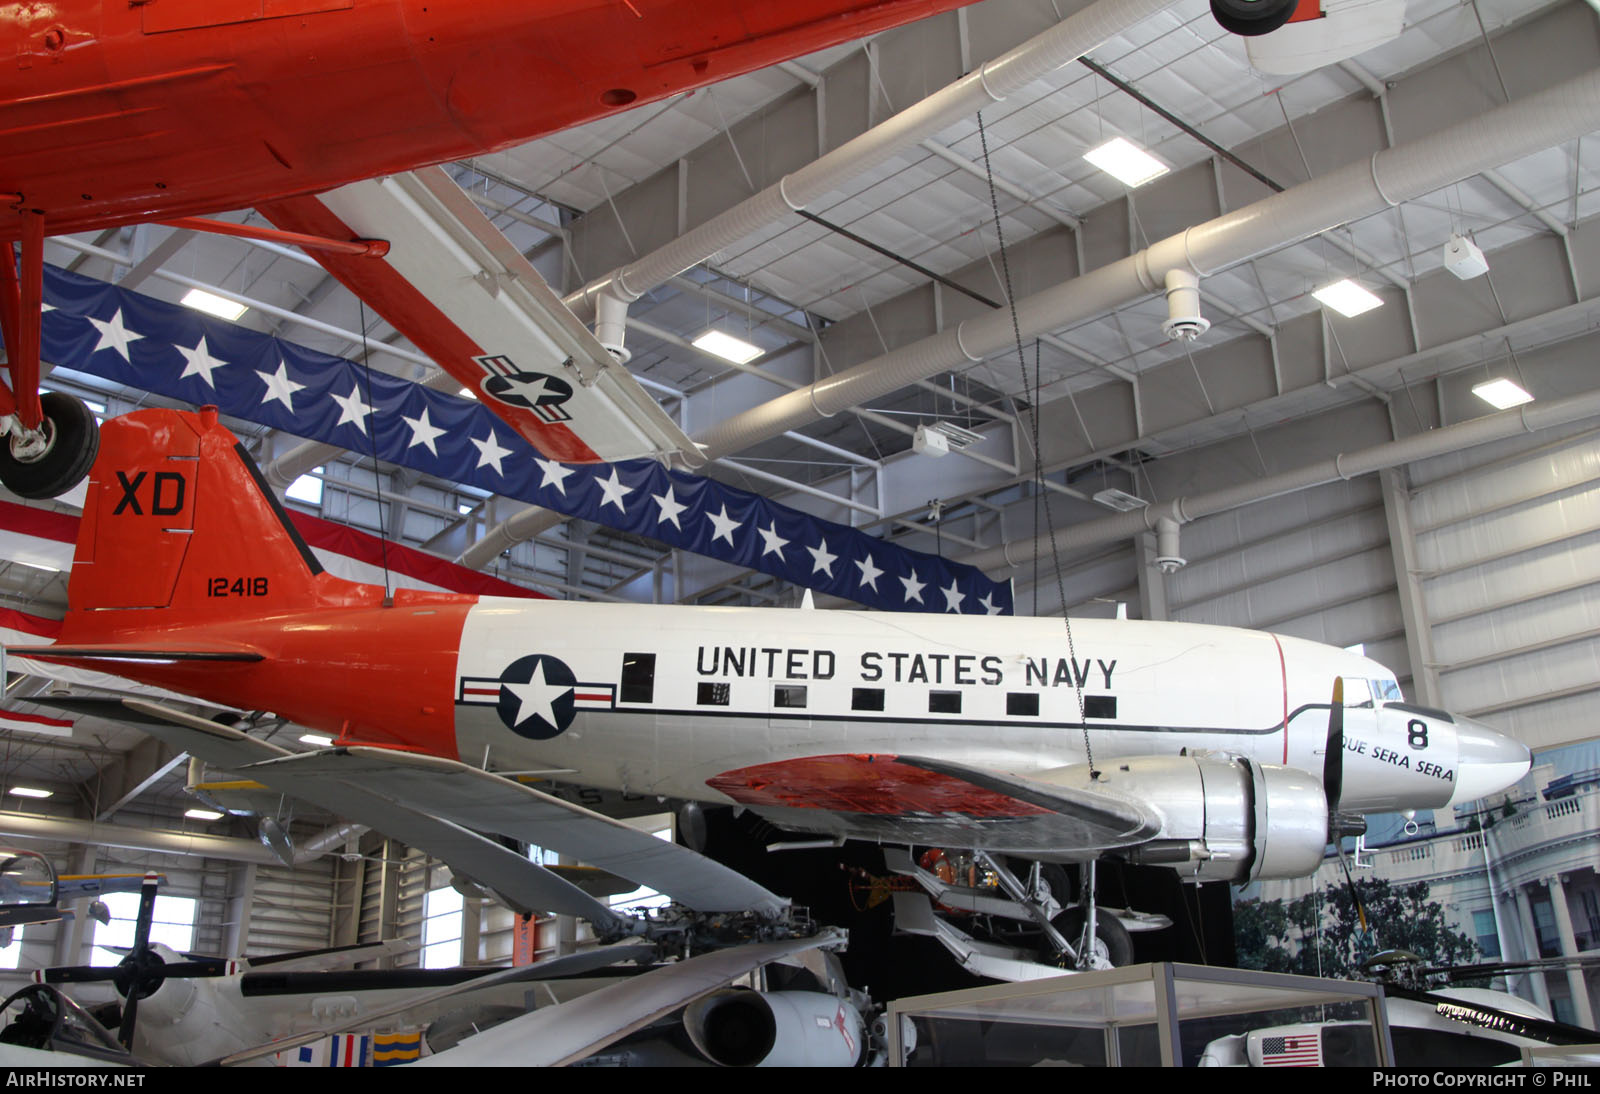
x,y
1487,761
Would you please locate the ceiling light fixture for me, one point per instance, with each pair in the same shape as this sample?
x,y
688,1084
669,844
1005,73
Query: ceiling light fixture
x,y
1126,161
316,739
31,792
1347,298
202,814
727,347
212,304
1502,394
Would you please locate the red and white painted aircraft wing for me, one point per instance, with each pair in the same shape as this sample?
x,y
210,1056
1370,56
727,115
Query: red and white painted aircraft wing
x,y
909,799
526,886
465,296
484,801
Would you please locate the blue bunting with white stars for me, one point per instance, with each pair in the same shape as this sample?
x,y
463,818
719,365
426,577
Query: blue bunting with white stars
x,y
97,328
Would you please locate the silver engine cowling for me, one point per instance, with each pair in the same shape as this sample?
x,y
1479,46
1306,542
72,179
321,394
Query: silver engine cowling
x,y
1224,818
737,1028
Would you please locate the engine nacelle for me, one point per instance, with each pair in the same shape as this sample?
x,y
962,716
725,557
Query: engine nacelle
x,y
1225,818
775,1029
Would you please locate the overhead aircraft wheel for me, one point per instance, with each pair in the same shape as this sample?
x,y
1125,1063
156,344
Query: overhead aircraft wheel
x,y
71,442
1252,17
1113,946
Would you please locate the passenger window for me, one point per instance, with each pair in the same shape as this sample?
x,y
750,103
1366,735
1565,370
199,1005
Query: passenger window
x,y
638,677
713,695
866,698
944,702
1099,706
1022,703
789,696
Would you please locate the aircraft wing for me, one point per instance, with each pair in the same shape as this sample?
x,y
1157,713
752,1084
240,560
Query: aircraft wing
x,y
526,886
909,799
465,296
555,1036
485,801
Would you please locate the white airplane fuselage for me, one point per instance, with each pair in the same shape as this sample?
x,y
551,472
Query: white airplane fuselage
x,y
664,700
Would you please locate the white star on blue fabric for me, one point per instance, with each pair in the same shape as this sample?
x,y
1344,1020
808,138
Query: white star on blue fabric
x,y
555,474
614,491
199,362
113,335
913,588
989,606
423,432
670,508
490,452
821,559
869,573
725,526
953,597
772,542
352,408
280,389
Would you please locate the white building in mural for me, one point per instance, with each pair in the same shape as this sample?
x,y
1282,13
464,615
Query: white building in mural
x,y
1517,873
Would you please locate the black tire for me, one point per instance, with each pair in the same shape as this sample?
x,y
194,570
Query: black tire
x,y
1111,936
72,442
1252,17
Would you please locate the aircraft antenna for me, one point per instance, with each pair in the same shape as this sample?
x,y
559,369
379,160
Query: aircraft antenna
x,y
1041,496
377,475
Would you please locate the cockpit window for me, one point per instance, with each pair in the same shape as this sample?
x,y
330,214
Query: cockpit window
x,y
1357,693
1386,690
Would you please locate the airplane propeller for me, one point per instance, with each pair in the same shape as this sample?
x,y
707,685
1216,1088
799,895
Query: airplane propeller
x,y
1340,825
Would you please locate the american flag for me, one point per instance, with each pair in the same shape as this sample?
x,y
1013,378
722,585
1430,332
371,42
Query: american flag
x,y
1300,1050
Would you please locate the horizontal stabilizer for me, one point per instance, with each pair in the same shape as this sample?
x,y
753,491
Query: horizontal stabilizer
x,y
527,887
556,1036
484,801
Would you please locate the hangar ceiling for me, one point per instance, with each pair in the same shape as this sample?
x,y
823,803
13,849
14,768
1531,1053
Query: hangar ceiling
x,y
911,248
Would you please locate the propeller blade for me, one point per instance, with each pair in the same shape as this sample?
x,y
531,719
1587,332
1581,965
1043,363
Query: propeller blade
x,y
1333,758
143,976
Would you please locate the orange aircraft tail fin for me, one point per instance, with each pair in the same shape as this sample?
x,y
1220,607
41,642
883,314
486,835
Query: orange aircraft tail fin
x,y
179,527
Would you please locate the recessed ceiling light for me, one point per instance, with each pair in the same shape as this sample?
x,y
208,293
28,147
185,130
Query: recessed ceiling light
x,y
317,739
1502,394
203,814
1127,161
1347,298
212,304
30,792
727,347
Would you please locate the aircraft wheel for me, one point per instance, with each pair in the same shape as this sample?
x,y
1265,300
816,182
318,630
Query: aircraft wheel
x,y
1252,17
1113,946
71,442
1052,874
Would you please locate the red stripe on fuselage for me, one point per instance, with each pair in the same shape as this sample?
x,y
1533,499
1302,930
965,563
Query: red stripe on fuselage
x,y
1283,677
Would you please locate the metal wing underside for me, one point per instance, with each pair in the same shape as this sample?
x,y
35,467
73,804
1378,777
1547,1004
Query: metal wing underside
x,y
487,802
910,799
431,803
554,1036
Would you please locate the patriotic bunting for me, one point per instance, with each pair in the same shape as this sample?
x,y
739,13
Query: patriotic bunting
x,y
100,329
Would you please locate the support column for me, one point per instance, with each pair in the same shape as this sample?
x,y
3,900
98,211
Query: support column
x,y
1413,610
1530,942
1583,1013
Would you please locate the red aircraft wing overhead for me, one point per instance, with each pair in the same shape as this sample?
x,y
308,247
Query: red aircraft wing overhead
x,y
463,294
